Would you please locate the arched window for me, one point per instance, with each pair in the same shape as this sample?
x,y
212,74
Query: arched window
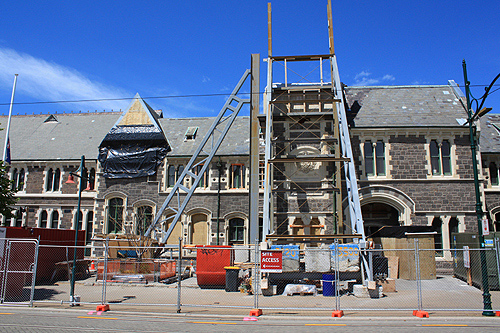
x,y
143,219
452,228
236,231
437,226
43,219
54,219
50,180
18,178
91,180
115,215
199,229
90,227
53,180
171,176
80,221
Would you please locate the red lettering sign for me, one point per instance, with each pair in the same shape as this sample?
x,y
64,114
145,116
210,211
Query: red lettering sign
x,y
271,261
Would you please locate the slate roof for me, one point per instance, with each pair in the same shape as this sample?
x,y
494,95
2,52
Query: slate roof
x,y
73,135
489,141
76,134
404,106
237,140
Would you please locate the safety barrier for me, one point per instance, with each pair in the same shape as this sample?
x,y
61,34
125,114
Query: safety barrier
x,y
326,280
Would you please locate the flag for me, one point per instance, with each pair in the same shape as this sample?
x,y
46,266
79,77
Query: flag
x,y
7,154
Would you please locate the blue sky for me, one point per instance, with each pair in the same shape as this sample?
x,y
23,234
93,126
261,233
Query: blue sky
x,y
89,50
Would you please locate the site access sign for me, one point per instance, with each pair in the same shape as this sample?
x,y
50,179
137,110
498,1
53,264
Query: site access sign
x,y
271,261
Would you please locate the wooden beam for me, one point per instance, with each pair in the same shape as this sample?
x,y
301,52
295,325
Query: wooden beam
x,y
269,32
330,28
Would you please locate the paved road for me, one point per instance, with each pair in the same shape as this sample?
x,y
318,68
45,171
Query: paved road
x,y
20,319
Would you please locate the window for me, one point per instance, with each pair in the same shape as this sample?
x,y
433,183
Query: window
x,y
440,157
236,231
437,225
171,176
18,178
43,219
374,158
144,218
493,174
115,215
237,176
19,218
204,179
190,133
80,221
54,219
53,180
91,180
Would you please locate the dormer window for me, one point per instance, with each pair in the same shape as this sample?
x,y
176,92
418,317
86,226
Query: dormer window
x,y
51,119
190,133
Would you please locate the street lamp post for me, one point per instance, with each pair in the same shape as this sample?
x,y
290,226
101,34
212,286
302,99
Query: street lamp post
x,y
77,223
471,118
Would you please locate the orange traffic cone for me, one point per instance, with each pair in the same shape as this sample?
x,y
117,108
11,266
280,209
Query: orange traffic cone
x,y
92,266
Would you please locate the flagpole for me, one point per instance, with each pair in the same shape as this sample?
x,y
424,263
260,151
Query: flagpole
x,y
10,116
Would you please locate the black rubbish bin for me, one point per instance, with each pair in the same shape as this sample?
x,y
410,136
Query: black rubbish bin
x,y
232,281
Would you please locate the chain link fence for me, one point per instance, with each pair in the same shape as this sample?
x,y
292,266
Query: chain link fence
x,y
287,279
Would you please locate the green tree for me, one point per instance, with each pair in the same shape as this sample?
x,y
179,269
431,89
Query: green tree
x,y
7,198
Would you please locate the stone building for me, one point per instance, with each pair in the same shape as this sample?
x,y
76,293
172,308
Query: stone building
x,y
412,155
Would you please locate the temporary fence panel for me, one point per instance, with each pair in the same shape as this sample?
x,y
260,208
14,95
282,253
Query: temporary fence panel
x,y
18,262
219,280
461,288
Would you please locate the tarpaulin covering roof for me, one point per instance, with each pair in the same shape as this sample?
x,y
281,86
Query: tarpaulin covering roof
x,y
136,145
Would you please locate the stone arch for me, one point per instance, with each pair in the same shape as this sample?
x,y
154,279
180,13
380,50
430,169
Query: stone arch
x,y
227,225
387,195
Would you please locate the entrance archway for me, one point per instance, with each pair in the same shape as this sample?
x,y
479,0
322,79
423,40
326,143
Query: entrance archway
x,y
377,215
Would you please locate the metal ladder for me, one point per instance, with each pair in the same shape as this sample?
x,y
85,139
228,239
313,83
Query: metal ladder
x,y
354,205
207,149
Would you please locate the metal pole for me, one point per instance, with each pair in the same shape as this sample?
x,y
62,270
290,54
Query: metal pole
x,y
35,265
105,272
487,310
256,277
179,276
80,189
417,275
219,168
253,217
337,273
10,116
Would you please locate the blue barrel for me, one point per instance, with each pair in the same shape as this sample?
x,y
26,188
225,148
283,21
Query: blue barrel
x,y
328,284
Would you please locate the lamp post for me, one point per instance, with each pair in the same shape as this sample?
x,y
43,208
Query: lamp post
x,y
77,223
471,118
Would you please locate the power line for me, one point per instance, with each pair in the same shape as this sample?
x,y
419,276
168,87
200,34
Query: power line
x,y
181,96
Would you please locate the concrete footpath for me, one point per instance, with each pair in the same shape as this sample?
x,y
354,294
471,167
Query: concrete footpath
x,y
443,297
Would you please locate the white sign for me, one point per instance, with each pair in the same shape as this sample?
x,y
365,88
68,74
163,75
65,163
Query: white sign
x,y
486,227
466,257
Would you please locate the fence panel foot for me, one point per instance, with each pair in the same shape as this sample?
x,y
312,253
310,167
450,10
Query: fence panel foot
x,y
421,313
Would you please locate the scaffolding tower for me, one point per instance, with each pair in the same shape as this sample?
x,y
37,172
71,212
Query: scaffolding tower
x,y
308,160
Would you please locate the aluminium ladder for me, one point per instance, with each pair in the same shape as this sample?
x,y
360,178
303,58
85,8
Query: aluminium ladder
x,y
206,150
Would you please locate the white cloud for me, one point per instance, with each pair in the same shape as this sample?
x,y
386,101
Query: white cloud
x,y
205,79
48,81
363,79
362,75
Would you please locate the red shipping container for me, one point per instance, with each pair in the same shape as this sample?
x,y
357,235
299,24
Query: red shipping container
x,y
53,247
